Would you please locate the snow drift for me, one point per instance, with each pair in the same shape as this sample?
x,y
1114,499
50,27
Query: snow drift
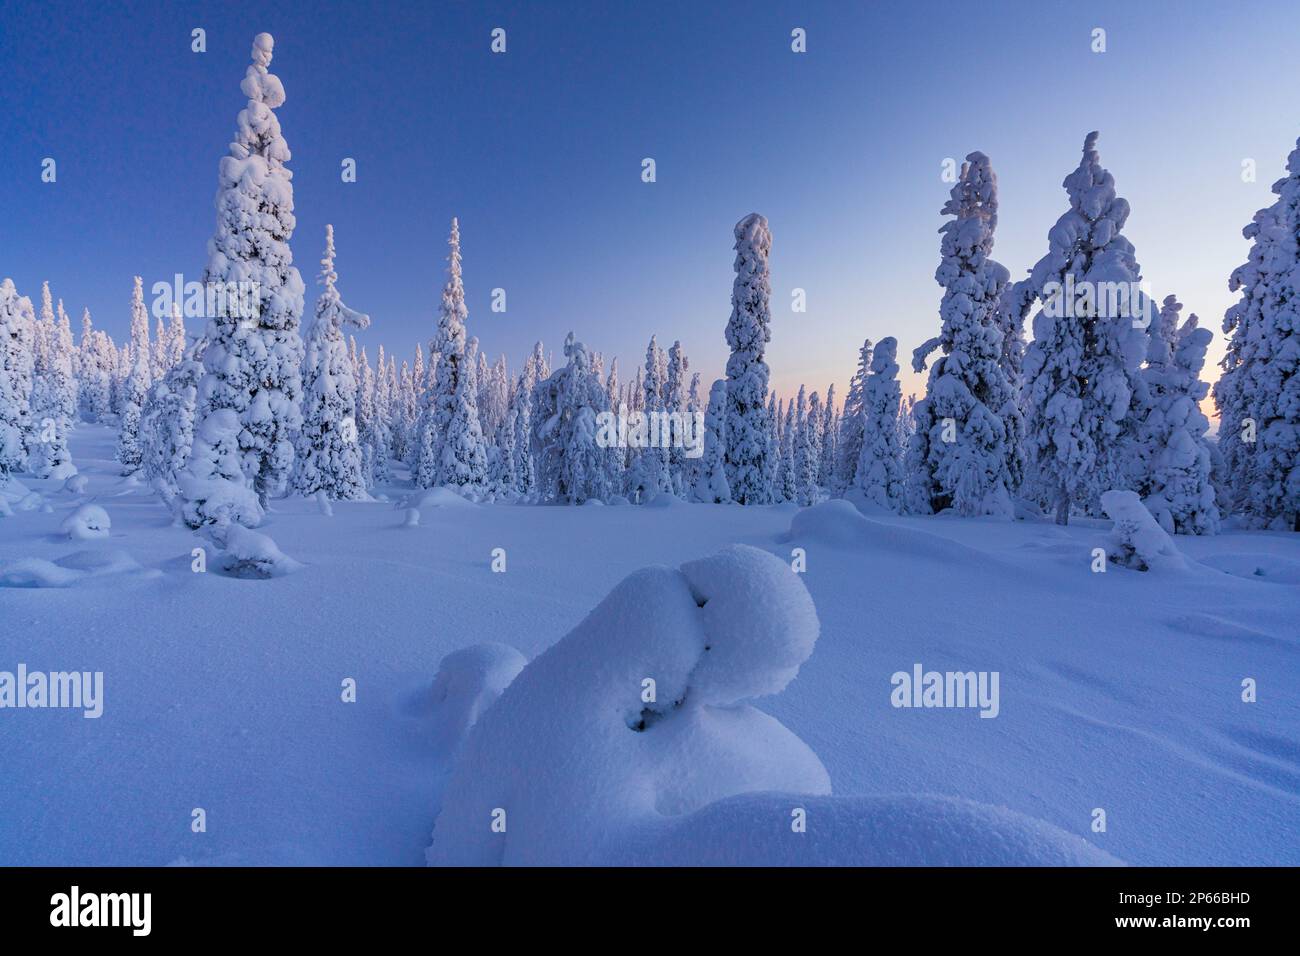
x,y
631,741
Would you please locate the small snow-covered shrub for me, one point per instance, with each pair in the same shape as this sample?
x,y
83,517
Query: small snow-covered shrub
x,y
1137,541
87,523
75,485
251,554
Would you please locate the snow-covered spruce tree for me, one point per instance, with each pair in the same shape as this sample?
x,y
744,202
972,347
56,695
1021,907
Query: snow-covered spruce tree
x,y
176,339
692,413
158,352
130,448
809,451
1258,395
675,409
388,437
97,378
17,337
1175,457
1081,370
370,425
826,467
54,396
254,356
748,332
329,450
879,474
849,445
571,465
406,409
650,473
168,424
520,418
86,372
458,452
788,489
1244,323
966,457
711,476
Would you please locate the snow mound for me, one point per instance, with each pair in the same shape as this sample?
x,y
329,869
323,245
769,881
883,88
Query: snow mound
x,y
1273,568
86,523
1137,541
617,501
838,524
251,554
637,716
75,485
440,497
35,573
468,682
664,500
66,571
920,830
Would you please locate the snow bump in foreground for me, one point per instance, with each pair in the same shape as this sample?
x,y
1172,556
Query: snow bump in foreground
x,y
630,742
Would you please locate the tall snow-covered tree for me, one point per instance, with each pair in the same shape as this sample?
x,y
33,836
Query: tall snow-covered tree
x,y
1174,455
1081,370
86,371
254,355
177,344
788,489
17,337
962,451
748,332
879,473
711,477
458,451
808,450
168,424
849,444
675,405
97,370
650,472
571,466
329,450
54,395
130,448
1258,394
826,467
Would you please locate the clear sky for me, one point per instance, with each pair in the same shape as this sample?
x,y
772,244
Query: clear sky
x,y
539,152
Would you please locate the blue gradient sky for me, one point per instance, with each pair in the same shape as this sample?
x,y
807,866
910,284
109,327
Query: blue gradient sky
x,y
538,152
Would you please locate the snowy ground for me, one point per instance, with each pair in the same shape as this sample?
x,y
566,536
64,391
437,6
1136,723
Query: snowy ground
x,y
1119,691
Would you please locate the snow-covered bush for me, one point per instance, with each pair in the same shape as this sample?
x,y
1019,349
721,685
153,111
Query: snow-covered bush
x,y
250,554
1137,541
87,523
